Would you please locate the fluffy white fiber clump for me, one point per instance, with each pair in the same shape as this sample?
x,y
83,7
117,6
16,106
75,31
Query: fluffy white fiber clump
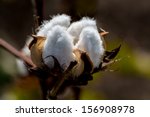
x,y
62,20
59,45
76,27
90,42
87,38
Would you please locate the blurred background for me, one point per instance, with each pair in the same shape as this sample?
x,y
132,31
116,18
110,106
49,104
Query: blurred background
x,y
128,24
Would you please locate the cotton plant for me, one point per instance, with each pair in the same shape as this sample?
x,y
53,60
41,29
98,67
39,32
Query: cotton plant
x,y
67,51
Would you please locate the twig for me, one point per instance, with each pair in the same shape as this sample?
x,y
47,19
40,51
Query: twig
x,y
38,9
41,76
62,77
16,53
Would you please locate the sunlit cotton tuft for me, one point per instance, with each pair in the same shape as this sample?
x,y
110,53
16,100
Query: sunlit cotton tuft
x,y
59,45
76,27
61,20
90,42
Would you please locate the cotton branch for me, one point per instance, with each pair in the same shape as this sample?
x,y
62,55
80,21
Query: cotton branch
x,y
37,6
16,53
29,63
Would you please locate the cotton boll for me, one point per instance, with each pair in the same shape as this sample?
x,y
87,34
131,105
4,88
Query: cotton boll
x,y
90,42
76,27
62,20
59,45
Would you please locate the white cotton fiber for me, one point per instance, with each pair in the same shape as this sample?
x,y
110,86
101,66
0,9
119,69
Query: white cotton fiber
x,y
90,42
61,20
59,45
75,28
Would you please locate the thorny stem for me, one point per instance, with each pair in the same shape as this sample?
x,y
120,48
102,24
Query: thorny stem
x,y
16,53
